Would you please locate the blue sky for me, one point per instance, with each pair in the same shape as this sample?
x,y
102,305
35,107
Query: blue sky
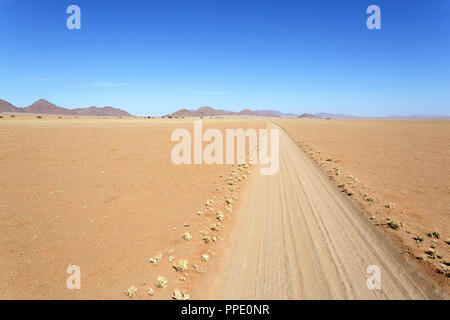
x,y
155,57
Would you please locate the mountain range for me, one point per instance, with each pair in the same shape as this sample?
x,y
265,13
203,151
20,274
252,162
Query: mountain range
x,y
211,112
44,107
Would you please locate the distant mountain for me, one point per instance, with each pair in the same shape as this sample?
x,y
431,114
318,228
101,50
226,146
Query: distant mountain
x,y
309,115
276,113
5,106
105,111
333,116
211,112
247,112
43,106
269,113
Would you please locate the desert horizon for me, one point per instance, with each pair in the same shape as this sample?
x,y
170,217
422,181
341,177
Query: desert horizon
x,y
44,107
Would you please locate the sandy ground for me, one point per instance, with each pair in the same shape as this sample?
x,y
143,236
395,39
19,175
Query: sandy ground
x,y
401,162
103,194
300,238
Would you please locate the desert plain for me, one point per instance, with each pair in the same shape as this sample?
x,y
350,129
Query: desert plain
x,y
103,194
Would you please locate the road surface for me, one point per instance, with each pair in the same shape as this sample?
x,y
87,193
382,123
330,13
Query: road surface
x,y
298,237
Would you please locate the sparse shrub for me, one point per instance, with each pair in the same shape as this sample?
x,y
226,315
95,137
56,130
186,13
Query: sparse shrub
x,y
431,252
444,270
395,225
160,282
187,236
181,265
180,294
205,257
434,234
132,292
390,205
156,259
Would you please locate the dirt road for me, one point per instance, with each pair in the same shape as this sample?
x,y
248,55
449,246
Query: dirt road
x,y
297,237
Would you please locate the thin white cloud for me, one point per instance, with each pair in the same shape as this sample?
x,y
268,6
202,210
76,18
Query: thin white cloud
x,y
42,79
107,84
38,79
209,92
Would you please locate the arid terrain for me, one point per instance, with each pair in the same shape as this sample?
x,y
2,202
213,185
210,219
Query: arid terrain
x,y
381,162
104,194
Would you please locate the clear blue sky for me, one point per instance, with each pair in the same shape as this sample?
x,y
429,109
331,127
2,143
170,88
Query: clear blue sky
x,y
154,57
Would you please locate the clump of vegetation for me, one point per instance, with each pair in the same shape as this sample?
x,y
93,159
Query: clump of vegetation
x,y
444,270
434,234
181,265
39,117
180,294
215,226
395,225
187,236
418,238
132,292
205,236
154,260
151,292
431,252
447,241
160,282
205,257
390,205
